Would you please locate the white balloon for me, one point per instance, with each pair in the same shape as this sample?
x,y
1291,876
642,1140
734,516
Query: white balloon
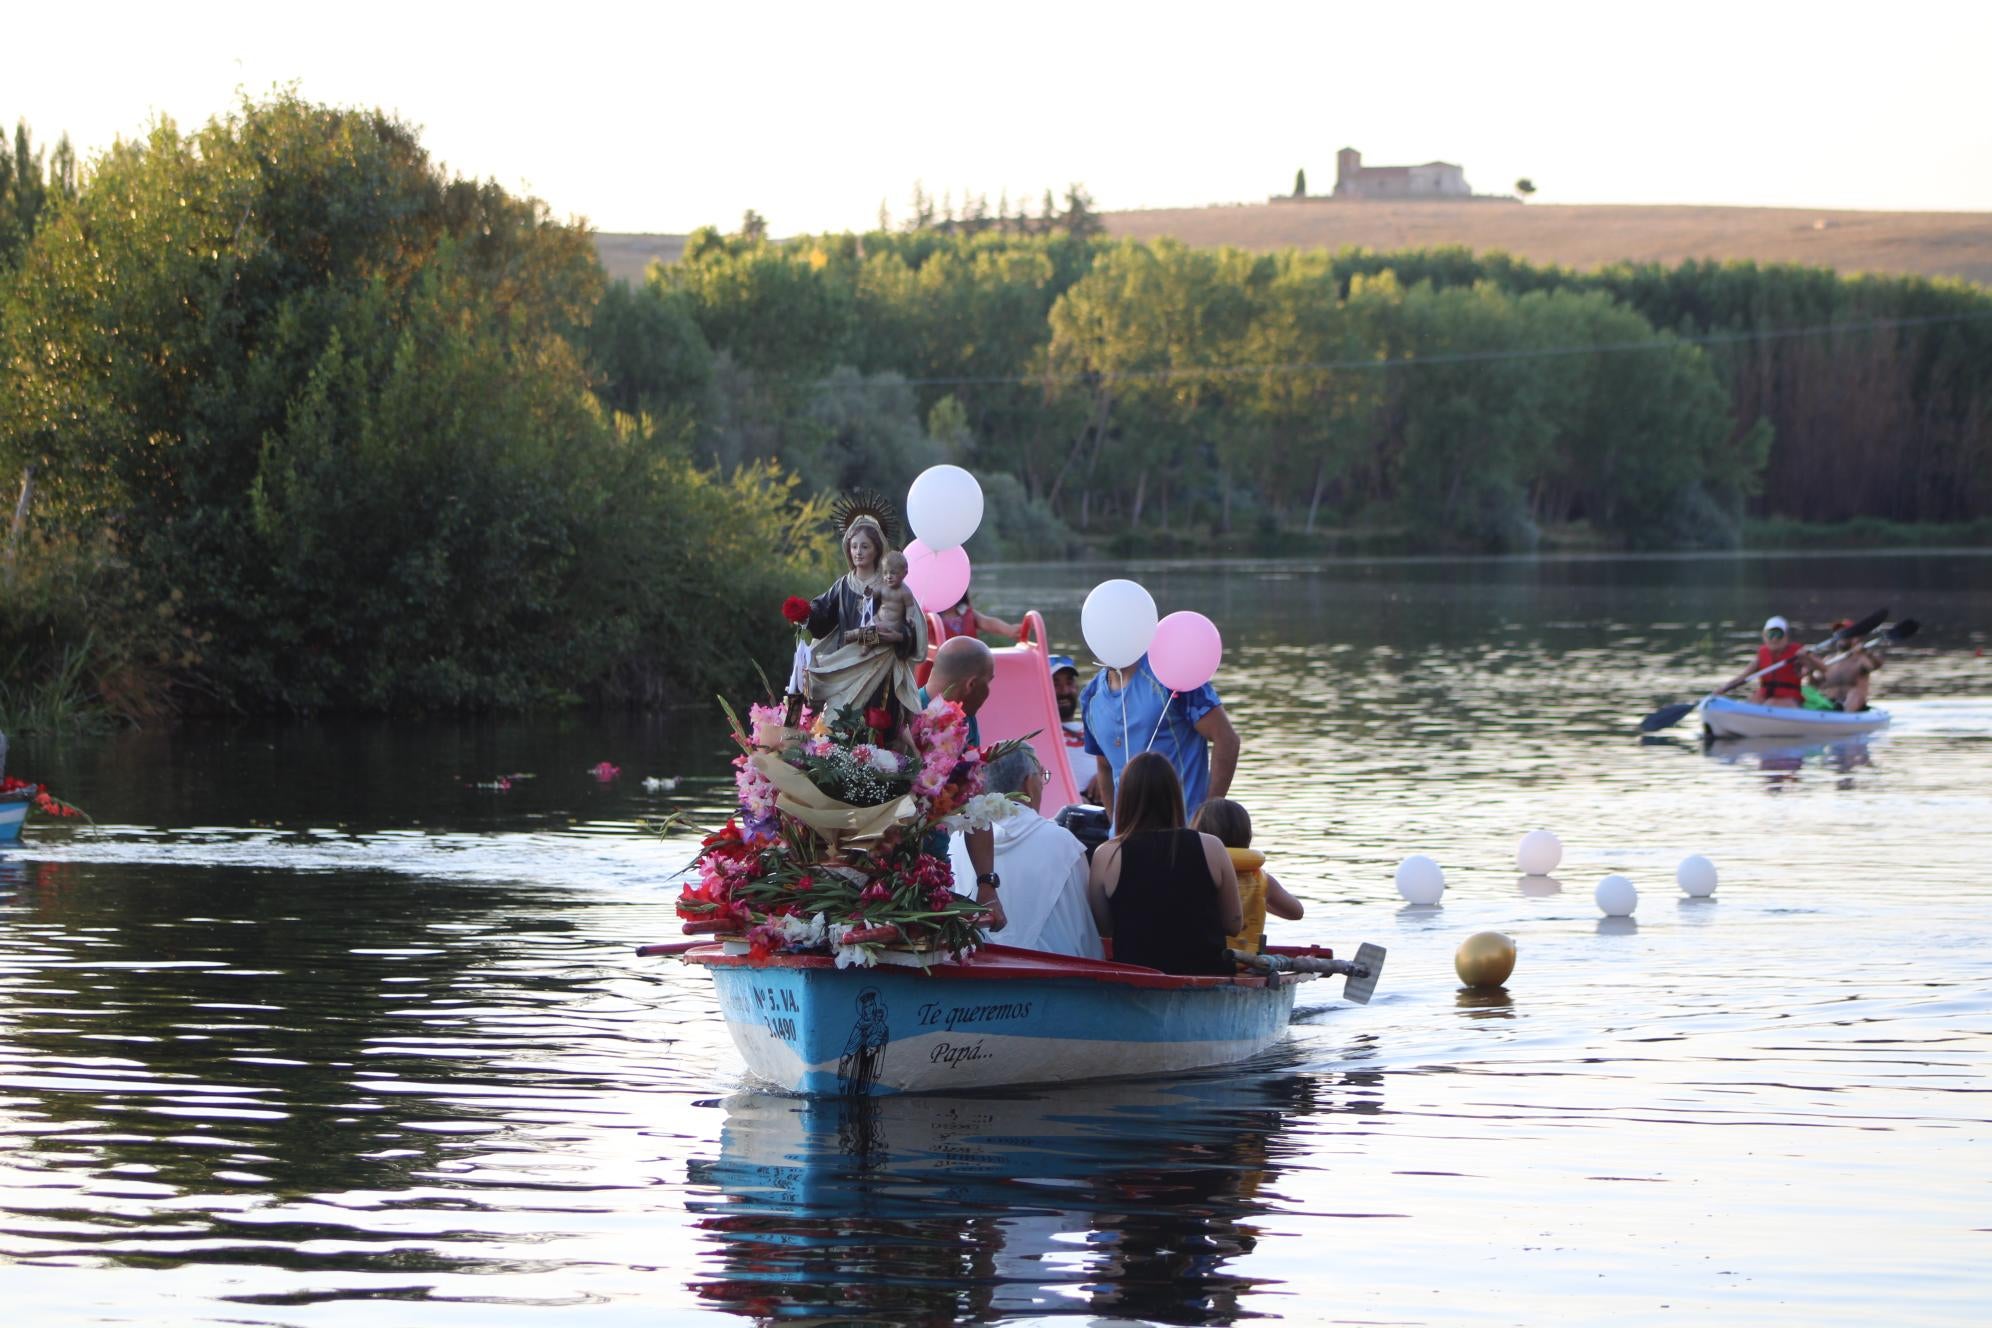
x,y
1538,853
1420,880
1696,876
1616,897
1118,621
944,507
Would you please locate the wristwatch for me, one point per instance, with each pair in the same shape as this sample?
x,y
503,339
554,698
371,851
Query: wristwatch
x,y
988,881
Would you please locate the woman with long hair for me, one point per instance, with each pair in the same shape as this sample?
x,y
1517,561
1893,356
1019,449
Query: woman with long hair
x,y
1167,895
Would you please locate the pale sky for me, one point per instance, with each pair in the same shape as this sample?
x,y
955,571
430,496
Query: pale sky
x,y
662,117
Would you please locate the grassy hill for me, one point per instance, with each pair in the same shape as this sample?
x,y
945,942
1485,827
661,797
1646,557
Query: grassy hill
x,y
1926,244
627,256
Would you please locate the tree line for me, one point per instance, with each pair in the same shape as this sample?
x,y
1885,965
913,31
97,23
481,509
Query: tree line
x,y
1473,401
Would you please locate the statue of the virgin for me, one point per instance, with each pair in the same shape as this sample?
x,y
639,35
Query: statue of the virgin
x,y
848,664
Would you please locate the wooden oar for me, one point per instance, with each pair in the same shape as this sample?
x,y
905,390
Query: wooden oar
x,y
672,946
1668,716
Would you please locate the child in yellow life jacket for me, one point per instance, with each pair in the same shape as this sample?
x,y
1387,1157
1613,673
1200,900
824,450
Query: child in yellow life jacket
x,y
1258,889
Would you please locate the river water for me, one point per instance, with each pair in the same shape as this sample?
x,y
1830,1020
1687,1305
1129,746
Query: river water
x,y
306,1023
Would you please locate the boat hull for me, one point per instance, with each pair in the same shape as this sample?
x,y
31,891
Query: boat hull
x,y
13,811
1724,718
1007,1017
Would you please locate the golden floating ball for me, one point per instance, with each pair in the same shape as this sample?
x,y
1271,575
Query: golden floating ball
x,y
1485,959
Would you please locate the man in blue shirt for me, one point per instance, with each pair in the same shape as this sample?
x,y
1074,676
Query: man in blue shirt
x,y
1122,708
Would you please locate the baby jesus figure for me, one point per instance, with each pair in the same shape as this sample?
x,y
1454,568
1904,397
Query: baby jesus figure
x,y
892,601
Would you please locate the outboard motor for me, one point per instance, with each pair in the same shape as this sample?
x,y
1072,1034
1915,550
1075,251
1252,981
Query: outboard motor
x,y
1089,825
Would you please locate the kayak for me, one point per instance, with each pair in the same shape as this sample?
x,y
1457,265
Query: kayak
x,y
1726,718
998,1018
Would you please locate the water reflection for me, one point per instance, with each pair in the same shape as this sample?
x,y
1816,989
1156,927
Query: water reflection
x,y
1780,760
1131,1200
1539,886
305,1085
1485,1002
1696,911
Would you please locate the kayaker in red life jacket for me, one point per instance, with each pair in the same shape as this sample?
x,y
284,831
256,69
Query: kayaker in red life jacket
x,y
1782,686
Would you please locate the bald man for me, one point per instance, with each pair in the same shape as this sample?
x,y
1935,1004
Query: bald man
x,y
963,671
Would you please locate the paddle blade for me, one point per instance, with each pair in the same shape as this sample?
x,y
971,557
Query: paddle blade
x,y
1361,984
1902,631
1666,717
1863,627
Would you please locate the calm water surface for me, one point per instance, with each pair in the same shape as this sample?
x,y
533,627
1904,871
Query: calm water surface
x,y
308,1031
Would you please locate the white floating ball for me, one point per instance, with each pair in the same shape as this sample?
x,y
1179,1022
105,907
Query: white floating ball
x,y
1420,880
1538,853
1696,876
1616,897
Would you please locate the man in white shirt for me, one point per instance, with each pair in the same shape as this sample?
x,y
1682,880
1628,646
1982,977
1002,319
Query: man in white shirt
x,y
1042,865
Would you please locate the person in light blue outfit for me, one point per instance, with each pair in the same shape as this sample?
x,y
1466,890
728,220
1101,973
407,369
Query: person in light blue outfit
x,y
1128,711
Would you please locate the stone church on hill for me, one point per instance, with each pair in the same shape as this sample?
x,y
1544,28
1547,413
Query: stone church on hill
x,y
1434,179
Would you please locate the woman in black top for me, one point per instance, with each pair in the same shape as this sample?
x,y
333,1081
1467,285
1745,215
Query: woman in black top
x,y
1168,896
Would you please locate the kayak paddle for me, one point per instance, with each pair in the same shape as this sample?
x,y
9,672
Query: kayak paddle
x,y
1668,716
1887,636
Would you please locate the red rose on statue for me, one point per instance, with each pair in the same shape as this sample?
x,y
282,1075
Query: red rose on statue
x,y
878,720
796,609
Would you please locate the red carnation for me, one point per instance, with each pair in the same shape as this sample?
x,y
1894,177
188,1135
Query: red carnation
x,y
796,609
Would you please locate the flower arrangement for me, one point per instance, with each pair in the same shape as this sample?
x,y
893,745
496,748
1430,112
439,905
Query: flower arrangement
x,y
835,843
45,802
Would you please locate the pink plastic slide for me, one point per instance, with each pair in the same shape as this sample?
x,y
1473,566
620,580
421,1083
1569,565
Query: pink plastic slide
x,y
1021,701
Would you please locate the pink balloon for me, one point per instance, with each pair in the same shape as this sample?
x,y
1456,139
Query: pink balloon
x,y
937,580
1185,652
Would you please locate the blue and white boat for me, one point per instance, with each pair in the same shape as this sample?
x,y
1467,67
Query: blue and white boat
x,y
14,811
999,1018
1726,718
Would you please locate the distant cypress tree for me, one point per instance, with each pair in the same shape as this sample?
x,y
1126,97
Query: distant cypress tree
x,y
27,190
1300,183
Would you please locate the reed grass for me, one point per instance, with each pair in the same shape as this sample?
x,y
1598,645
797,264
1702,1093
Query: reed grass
x,y
52,700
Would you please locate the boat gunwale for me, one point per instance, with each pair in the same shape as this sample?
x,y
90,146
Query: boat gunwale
x,y
1007,963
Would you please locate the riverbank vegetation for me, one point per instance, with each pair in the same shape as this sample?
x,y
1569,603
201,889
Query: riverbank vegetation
x,y
292,419
300,422
1145,395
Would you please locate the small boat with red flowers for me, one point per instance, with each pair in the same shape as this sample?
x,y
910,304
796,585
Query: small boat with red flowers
x,y
846,965
18,797
14,804
826,911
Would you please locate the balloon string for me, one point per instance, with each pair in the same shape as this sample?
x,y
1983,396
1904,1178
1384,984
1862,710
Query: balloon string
x,y
1158,719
